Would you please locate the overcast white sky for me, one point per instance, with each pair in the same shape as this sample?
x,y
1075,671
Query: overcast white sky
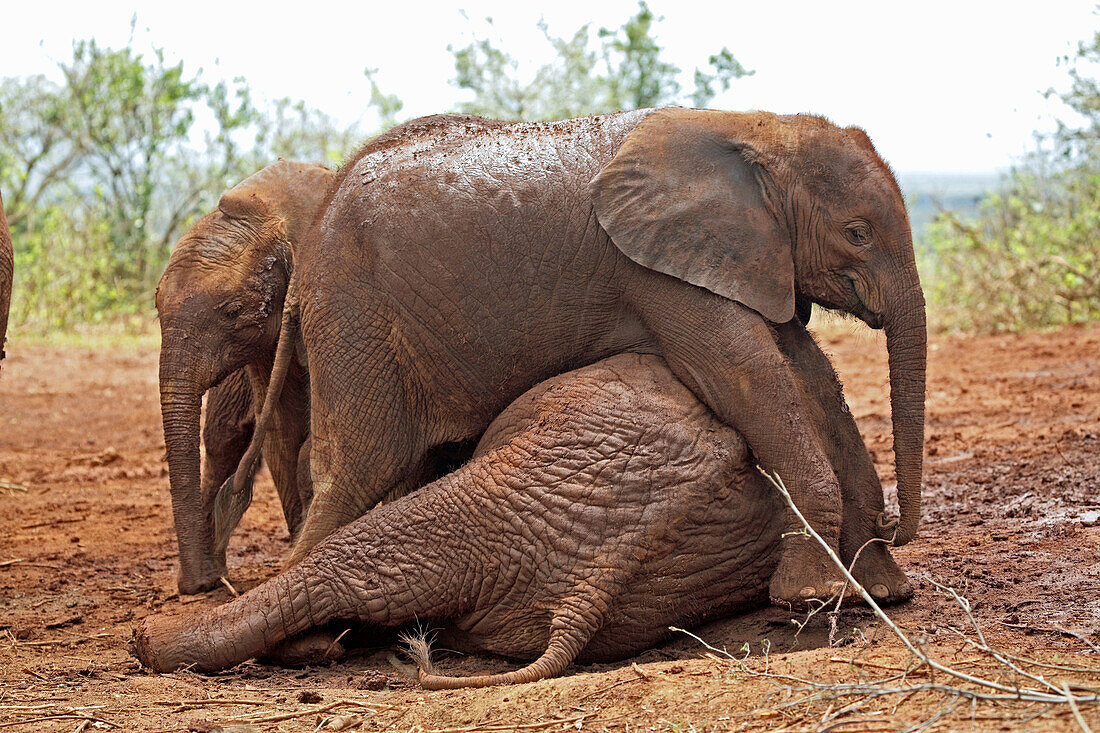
x,y
940,86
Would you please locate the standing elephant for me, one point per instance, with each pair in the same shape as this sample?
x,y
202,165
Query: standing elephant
x,y
461,261
7,266
220,303
601,507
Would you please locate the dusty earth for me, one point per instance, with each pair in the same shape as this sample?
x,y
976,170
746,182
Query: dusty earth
x,y
1011,520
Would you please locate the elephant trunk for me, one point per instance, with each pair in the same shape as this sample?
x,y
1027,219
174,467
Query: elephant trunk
x,y
907,344
180,405
222,637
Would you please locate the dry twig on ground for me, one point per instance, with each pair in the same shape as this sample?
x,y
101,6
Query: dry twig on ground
x,y
1014,683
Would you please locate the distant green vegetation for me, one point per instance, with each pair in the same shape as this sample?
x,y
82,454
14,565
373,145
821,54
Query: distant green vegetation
x,y
1029,256
622,69
929,194
102,173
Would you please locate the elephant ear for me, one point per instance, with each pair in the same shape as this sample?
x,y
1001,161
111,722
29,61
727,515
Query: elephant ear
x,y
245,201
284,191
683,196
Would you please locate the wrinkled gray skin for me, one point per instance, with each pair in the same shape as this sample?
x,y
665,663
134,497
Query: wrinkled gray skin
x,y
220,303
7,261
599,508
461,261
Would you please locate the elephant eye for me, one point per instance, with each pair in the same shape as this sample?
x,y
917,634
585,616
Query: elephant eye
x,y
232,310
858,234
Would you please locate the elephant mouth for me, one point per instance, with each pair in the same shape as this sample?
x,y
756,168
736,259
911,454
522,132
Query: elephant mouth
x,y
859,308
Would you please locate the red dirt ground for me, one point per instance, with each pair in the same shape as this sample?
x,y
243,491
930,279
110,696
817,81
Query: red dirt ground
x,y
1011,520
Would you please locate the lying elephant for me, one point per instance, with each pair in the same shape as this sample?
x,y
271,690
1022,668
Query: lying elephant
x,y
220,303
599,508
461,261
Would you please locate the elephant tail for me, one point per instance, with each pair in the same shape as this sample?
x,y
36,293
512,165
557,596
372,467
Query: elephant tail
x,y
568,636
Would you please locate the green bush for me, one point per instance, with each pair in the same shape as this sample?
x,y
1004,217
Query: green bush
x,y
1028,260
102,173
66,273
1031,257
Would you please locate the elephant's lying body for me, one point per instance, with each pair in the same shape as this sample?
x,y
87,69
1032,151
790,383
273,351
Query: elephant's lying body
x,y
601,507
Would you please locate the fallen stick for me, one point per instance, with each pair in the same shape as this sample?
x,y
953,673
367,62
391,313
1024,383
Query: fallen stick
x,y
212,702
58,642
517,726
225,581
25,564
335,641
1076,712
1008,692
862,663
611,686
311,711
52,522
87,718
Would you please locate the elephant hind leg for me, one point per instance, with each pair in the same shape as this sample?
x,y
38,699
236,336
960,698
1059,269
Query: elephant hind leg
x,y
566,642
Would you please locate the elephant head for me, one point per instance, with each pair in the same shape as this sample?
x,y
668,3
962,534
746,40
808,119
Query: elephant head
x,y
220,302
772,210
6,262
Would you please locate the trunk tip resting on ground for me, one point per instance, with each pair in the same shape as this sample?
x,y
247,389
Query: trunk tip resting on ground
x,y
906,344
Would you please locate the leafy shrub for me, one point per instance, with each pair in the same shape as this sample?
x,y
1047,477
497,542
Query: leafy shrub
x,y
1031,257
1028,260
102,173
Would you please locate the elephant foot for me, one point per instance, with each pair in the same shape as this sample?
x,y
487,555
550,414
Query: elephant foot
x,y
164,644
319,646
876,570
805,578
208,577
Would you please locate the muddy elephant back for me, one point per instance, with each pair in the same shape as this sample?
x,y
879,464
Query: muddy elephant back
x,y
638,387
7,262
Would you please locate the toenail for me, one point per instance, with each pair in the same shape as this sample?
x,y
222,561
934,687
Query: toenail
x,y
807,592
878,590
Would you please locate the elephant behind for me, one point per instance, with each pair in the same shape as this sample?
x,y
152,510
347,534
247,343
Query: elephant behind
x,y
220,303
601,507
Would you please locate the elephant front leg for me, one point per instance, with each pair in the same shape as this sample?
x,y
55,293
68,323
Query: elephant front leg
x,y
728,356
861,492
226,433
